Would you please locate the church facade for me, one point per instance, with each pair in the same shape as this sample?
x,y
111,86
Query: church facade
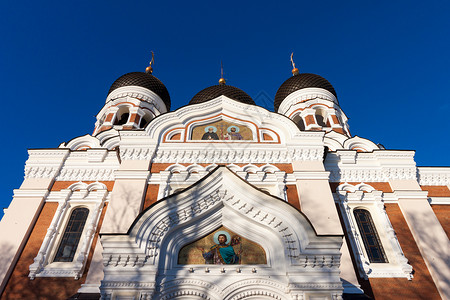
x,y
223,199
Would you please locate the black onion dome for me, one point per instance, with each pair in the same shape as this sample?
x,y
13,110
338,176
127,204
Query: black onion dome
x,y
301,81
218,90
144,80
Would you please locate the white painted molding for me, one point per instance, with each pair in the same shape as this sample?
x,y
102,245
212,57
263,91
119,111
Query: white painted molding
x,y
44,163
434,175
246,154
93,197
138,93
305,95
365,196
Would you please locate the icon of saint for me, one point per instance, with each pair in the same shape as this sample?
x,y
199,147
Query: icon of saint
x,y
210,133
233,133
223,252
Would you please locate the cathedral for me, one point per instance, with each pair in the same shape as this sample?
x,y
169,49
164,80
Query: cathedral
x,y
224,199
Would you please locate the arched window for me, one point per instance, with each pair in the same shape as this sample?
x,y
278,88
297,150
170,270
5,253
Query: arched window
x,y
72,234
299,121
321,117
369,236
122,116
144,121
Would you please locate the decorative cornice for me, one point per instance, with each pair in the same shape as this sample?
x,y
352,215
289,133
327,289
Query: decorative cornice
x,y
244,155
371,174
40,172
131,153
86,174
434,176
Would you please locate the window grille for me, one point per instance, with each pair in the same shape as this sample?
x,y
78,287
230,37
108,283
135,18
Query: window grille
x,y
369,236
72,234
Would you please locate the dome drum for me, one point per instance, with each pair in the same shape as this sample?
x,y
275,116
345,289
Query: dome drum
x,y
300,82
143,80
215,91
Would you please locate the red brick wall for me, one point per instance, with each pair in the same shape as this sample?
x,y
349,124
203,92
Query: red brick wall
x,y
151,195
292,195
21,287
442,212
422,285
60,185
436,191
379,186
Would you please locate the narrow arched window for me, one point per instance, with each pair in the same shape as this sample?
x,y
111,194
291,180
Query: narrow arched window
x,y
299,121
122,116
72,234
369,236
320,117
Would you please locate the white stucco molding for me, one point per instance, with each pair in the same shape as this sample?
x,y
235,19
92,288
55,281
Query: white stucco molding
x,y
44,163
80,194
177,176
136,92
89,165
434,175
244,153
358,143
305,95
222,199
376,166
82,142
365,196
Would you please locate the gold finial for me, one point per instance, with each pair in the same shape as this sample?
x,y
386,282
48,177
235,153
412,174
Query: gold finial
x,y
149,69
222,80
294,69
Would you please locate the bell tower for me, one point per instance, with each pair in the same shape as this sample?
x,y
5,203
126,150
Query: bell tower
x,y
311,102
133,100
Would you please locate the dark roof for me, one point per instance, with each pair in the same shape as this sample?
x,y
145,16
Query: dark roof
x,y
301,81
217,90
144,80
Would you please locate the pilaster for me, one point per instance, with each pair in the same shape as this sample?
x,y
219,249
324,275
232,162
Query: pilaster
x,y
426,230
41,168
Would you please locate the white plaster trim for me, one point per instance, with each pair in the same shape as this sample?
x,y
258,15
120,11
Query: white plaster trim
x,y
413,194
376,166
366,197
311,175
68,199
243,154
434,175
30,193
44,163
304,95
439,200
85,141
138,93
131,174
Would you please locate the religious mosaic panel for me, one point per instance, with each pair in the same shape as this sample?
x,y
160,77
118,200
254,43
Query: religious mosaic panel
x,y
222,247
222,130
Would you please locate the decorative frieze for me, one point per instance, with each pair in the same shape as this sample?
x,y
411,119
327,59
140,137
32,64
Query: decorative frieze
x,y
371,174
136,153
87,174
434,176
243,155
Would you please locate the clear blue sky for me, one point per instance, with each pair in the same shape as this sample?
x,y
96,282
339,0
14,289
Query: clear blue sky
x,y
388,61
